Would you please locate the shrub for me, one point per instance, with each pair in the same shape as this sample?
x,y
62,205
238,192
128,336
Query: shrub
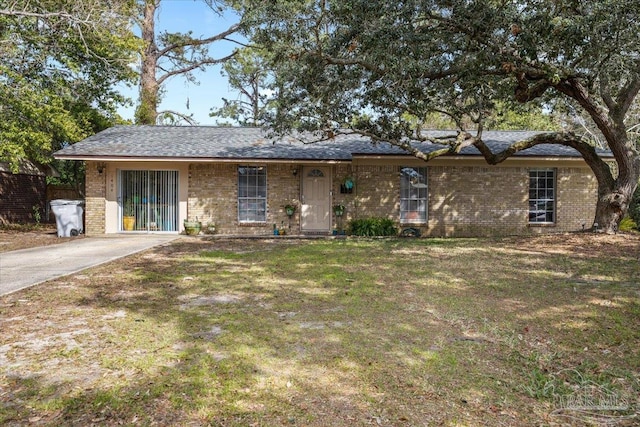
x,y
628,224
370,227
634,207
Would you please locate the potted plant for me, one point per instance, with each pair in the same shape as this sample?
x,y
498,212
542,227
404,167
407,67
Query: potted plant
x,y
129,215
290,209
210,228
338,210
192,228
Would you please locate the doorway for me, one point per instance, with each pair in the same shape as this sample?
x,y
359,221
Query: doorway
x,y
148,200
316,199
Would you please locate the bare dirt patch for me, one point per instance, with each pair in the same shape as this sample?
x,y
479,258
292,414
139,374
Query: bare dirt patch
x,y
584,244
24,238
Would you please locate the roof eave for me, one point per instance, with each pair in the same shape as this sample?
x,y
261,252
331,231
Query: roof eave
x,y
197,159
467,156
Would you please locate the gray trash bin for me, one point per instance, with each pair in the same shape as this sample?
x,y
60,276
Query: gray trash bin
x,y
68,216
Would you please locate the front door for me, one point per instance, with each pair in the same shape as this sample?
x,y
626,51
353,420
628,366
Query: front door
x,y
316,199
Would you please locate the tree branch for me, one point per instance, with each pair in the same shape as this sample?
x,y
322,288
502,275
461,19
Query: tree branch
x,y
569,139
575,90
605,93
45,15
625,98
182,116
192,67
199,42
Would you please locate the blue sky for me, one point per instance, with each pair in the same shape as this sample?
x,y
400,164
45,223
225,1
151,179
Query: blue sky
x,y
183,16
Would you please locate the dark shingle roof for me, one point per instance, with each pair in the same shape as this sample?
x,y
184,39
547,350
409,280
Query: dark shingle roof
x,y
228,143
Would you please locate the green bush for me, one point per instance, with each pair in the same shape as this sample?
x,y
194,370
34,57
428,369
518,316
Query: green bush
x,y
370,227
634,207
628,224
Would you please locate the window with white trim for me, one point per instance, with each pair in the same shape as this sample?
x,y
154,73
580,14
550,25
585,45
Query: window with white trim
x,y
413,195
252,194
542,196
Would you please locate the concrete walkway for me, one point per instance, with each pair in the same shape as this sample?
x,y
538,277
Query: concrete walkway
x,y
28,267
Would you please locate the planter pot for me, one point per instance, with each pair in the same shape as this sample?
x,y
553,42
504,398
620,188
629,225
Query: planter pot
x,y
128,223
290,212
192,228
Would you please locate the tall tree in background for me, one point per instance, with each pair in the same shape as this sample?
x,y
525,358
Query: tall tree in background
x,y
248,74
59,62
167,55
376,68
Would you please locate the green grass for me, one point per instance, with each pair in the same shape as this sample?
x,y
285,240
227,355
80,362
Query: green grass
x,y
325,333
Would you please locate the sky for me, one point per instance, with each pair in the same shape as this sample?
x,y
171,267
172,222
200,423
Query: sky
x,y
184,16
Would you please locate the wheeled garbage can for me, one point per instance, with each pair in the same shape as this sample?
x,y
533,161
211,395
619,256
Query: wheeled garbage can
x,y
68,216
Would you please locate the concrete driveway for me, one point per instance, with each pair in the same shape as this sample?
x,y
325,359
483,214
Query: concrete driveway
x,y
28,267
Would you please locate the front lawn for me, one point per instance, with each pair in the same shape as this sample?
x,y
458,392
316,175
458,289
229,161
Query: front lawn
x,y
389,332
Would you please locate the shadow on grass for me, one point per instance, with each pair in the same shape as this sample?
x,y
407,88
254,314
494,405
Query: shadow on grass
x,y
391,332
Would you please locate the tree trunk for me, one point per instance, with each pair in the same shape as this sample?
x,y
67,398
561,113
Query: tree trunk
x,y
147,111
613,203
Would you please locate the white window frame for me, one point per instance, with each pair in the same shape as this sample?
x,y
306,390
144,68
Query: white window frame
x,y
542,196
414,195
252,195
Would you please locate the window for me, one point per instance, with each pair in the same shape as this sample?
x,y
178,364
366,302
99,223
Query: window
x,y
413,195
542,196
252,194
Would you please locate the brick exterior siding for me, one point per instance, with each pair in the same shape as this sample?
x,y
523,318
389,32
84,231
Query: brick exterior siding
x,y
94,209
465,198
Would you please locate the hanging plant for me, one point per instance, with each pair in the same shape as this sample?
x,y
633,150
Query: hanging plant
x,y
290,209
346,187
338,210
348,183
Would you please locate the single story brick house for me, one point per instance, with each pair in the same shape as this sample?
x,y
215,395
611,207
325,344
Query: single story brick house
x,y
241,180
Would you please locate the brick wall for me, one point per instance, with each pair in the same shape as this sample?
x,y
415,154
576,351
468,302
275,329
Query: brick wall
x,y
466,198
213,190
577,197
377,192
94,208
478,200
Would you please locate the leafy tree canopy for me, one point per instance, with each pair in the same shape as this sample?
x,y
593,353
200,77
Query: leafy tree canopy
x,y
383,68
59,61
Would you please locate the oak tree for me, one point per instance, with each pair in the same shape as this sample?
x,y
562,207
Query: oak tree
x,y
379,68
